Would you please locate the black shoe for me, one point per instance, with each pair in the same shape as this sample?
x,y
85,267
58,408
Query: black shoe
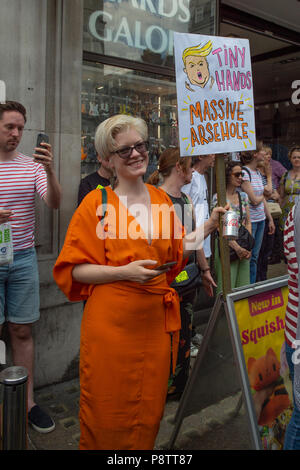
x,y
40,421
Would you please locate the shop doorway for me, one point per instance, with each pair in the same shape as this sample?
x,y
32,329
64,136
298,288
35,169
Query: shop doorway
x,y
275,53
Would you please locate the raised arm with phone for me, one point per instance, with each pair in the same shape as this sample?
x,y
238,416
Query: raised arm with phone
x,y
43,155
23,178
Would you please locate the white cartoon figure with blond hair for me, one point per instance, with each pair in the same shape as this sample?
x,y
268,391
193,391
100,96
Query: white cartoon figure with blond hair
x,y
196,65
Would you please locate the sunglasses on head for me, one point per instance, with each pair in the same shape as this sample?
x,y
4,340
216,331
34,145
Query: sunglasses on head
x,y
125,152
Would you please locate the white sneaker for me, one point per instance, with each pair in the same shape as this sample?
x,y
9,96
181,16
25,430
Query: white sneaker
x,y
193,350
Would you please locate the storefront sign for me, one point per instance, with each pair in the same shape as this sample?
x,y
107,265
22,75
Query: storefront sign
x,y
147,25
2,92
137,37
260,320
215,94
140,35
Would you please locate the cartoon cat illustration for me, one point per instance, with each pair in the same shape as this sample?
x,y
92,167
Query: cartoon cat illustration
x,y
265,379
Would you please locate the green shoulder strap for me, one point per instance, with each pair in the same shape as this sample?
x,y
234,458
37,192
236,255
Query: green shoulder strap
x,y
186,198
104,202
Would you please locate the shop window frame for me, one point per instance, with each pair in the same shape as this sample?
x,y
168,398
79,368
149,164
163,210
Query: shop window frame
x,y
236,17
94,57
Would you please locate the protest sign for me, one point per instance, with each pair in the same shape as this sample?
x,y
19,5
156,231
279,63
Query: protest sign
x,y
214,94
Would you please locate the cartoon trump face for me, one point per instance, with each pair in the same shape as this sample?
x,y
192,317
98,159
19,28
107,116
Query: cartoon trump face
x,y
196,65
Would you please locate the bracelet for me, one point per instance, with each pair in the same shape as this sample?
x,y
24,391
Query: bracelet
x,y
206,269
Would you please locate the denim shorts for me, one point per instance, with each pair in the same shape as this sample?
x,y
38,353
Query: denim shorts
x,y
19,289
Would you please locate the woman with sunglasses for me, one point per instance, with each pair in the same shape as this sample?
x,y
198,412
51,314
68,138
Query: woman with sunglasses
x,y
240,268
289,188
110,257
253,185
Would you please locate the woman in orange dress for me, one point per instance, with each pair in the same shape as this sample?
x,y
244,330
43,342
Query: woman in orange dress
x,y
131,314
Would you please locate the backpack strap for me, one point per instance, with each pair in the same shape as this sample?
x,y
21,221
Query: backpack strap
x,y
248,171
104,203
187,201
241,207
185,196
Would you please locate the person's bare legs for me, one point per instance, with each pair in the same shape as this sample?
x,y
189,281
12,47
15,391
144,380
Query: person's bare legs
x,y
23,353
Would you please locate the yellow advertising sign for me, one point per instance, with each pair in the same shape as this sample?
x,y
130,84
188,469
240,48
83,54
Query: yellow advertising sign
x,y
260,320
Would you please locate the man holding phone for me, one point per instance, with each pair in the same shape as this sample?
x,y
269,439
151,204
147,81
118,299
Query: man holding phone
x,y
21,177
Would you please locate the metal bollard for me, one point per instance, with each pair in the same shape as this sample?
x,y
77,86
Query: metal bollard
x,y
13,408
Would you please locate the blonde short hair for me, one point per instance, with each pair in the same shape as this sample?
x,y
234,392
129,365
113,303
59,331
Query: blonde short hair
x,y
107,131
268,150
197,51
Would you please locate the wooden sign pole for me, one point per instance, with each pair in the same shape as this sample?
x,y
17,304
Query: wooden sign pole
x,y
224,248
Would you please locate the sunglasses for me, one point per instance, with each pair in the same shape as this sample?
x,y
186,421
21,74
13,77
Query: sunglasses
x,y
238,174
125,152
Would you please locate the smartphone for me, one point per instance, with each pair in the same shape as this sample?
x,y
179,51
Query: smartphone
x,y
41,138
162,267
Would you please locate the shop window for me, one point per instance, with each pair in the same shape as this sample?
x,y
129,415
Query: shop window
x,y
109,90
139,32
142,30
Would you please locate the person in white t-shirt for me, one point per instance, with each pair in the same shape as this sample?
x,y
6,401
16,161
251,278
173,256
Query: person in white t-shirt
x,y
198,192
253,186
21,177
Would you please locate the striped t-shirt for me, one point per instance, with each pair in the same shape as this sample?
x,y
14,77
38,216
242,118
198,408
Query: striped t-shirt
x,y
257,213
20,178
291,315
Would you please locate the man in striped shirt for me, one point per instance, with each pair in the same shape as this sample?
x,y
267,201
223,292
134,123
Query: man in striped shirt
x,y
292,435
21,177
291,317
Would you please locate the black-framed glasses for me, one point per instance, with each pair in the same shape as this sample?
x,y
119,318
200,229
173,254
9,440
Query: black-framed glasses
x,y
125,152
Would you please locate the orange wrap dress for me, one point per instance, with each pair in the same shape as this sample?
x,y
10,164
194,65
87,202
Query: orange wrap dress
x,y
125,346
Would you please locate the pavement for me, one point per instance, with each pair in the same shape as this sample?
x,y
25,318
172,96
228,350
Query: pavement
x,y
222,426
213,428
